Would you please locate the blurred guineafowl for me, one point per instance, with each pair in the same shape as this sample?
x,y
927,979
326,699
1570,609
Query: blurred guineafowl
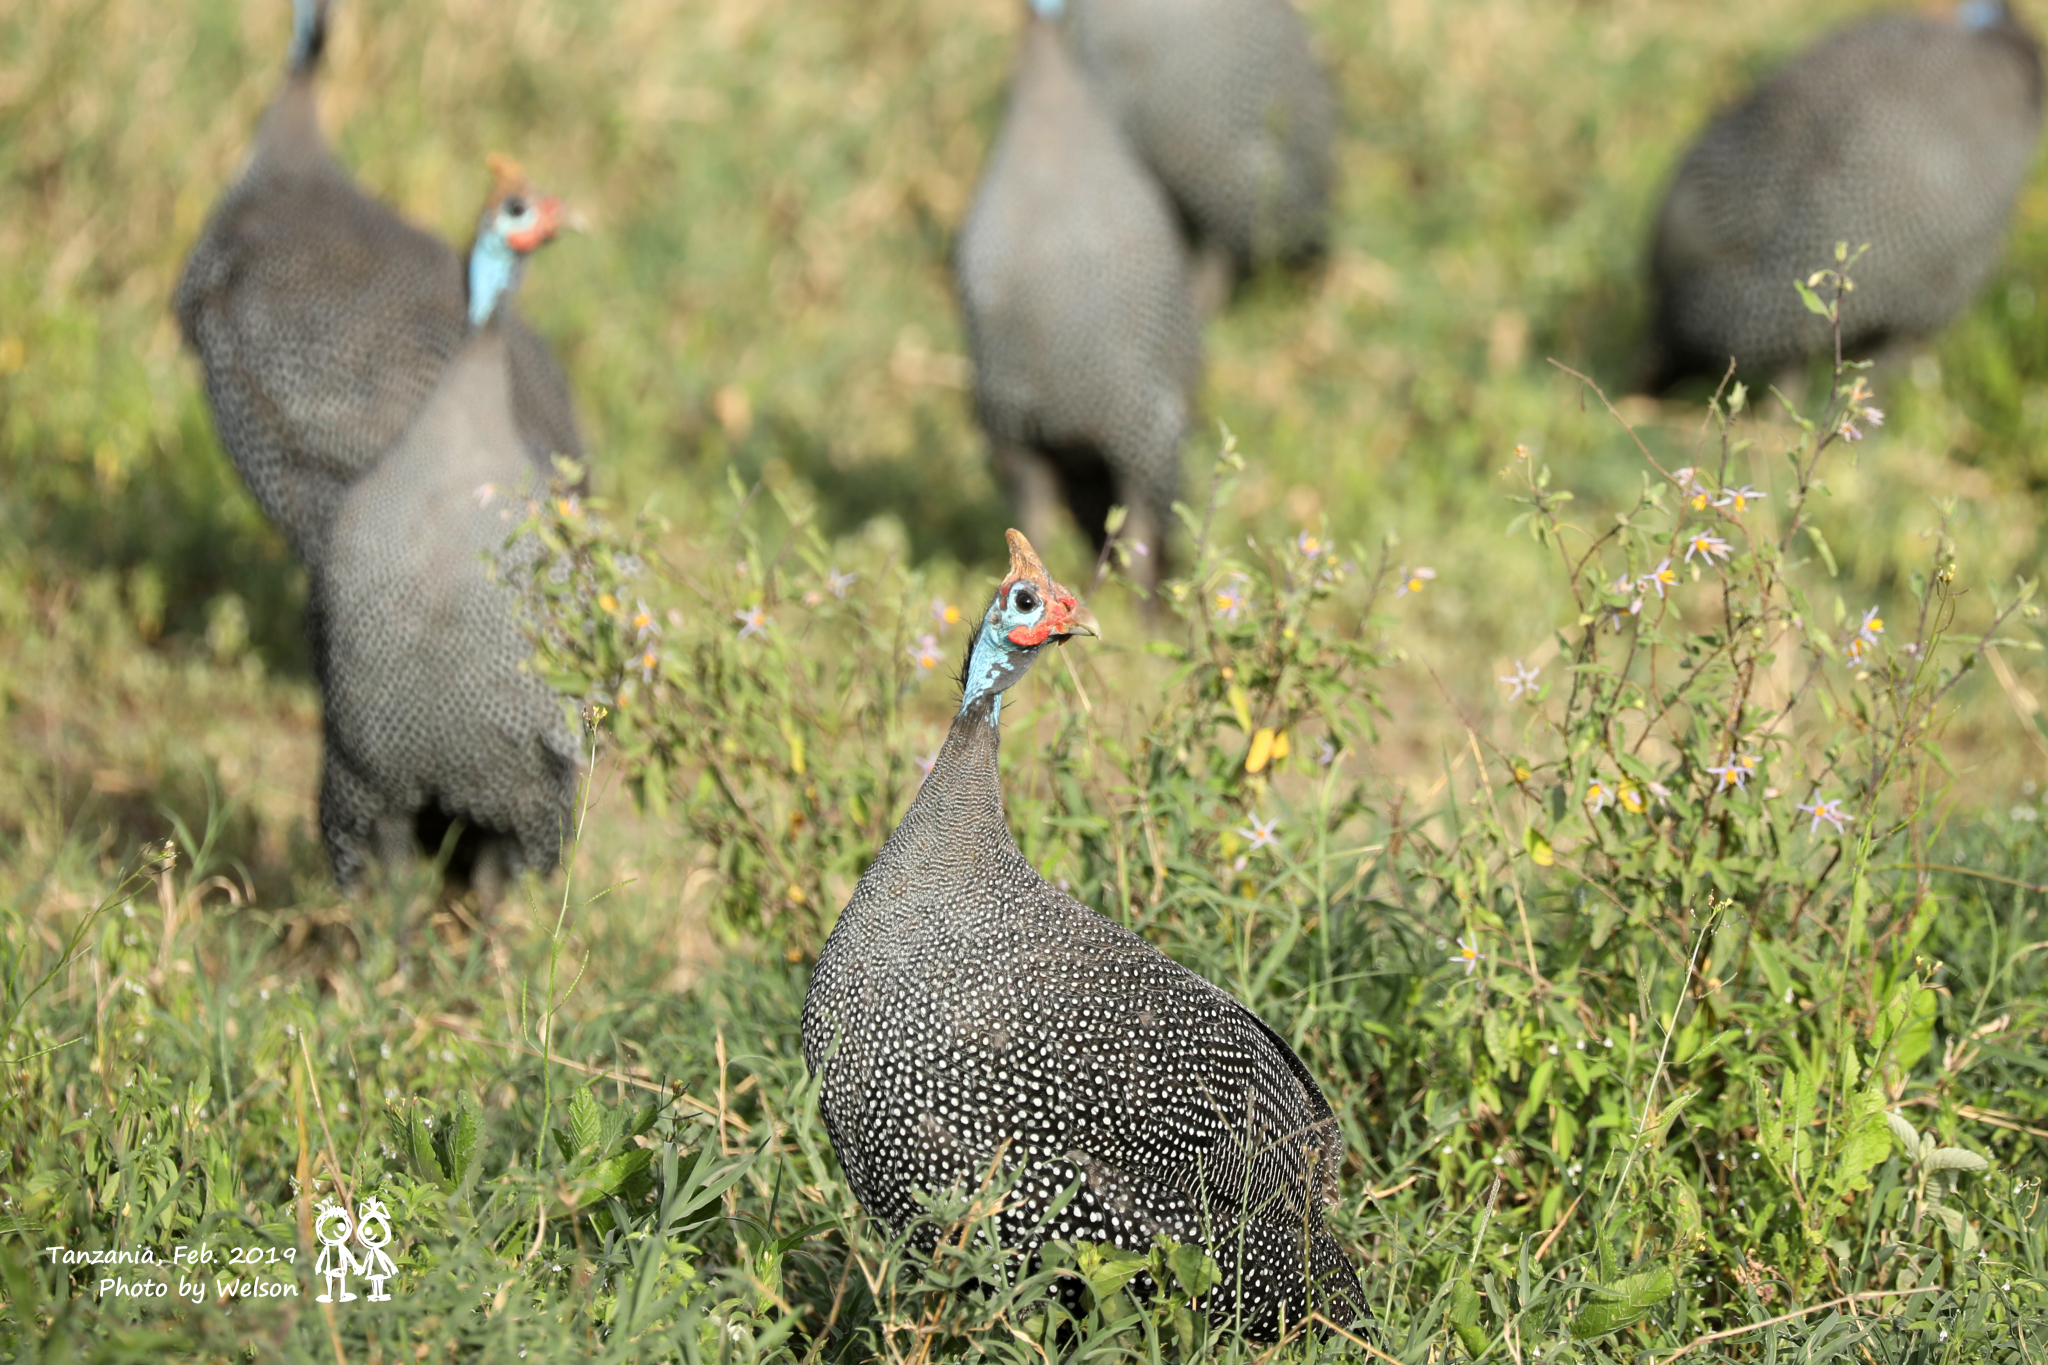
x,y
1227,104
323,320
1079,315
430,718
1909,132
965,1017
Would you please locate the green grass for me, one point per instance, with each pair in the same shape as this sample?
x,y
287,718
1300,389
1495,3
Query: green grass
x,y
764,297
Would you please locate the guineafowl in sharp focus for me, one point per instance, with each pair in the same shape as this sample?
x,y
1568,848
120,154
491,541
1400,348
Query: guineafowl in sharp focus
x,y
966,1017
1079,312
1910,132
430,717
323,320
1226,103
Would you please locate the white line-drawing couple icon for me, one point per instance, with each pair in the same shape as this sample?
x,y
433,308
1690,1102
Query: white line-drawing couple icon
x,y
371,1230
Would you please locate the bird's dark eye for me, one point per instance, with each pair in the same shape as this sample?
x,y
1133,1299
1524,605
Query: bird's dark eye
x,y
516,207
1024,599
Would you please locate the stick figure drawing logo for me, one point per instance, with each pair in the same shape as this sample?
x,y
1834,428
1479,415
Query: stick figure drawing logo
x,y
369,1229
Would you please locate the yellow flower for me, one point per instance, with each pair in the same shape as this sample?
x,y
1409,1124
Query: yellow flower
x,y
609,603
1267,747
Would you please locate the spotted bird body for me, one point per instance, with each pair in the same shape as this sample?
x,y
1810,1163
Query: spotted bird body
x,y
1228,106
1909,132
967,1017
1079,310
323,321
430,716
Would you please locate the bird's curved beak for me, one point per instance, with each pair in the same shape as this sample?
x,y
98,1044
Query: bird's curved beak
x,y
1077,620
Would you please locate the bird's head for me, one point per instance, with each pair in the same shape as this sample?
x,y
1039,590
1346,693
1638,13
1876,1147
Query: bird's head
x,y
525,219
517,221
1029,611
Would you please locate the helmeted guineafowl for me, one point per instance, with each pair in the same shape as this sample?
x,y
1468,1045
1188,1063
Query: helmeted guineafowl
x,y
1227,104
1078,308
1910,132
322,319
430,717
965,1016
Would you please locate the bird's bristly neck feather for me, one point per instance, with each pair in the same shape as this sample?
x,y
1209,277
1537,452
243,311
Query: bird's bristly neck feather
x,y
493,271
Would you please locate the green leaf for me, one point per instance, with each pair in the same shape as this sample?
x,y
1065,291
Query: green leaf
x,y
609,1177
1811,299
1106,1268
1956,1159
643,1118
640,1297
407,1125
1624,1303
1827,554
1866,1141
1916,1033
464,1136
586,1122
1464,1317
1194,1268
1499,1035
1773,967
1539,1088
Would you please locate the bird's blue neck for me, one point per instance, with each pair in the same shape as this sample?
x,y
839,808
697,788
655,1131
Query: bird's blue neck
x,y
993,667
309,33
1978,15
1048,9
493,270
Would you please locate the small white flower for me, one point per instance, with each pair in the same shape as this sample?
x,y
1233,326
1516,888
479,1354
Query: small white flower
x,y
753,620
1261,833
1522,681
1736,771
925,654
837,583
1708,545
1413,580
1230,598
1468,953
1829,810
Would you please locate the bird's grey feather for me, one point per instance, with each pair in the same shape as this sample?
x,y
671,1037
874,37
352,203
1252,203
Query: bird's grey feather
x,y
966,1017
1079,311
1910,132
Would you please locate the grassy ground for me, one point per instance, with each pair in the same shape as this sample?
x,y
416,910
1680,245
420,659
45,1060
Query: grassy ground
x,y
765,293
